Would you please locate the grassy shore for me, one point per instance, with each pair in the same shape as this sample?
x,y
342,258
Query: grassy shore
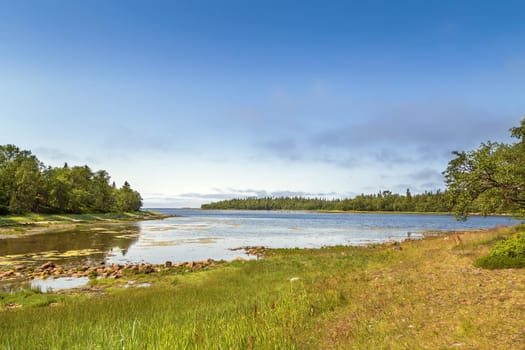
x,y
36,223
422,294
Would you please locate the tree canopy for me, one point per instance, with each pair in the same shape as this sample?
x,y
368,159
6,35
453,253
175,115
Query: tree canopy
x,y
382,201
27,185
489,178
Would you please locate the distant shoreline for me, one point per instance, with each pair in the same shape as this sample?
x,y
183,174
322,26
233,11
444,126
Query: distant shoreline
x,y
348,211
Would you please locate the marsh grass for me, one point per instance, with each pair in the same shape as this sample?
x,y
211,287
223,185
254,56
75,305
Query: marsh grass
x,y
427,295
32,297
263,304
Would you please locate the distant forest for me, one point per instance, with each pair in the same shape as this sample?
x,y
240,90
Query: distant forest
x,y
27,185
428,202
487,180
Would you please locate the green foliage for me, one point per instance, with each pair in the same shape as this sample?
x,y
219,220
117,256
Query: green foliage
x,y
509,253
489,178
26,182
26,185
383,201
128,200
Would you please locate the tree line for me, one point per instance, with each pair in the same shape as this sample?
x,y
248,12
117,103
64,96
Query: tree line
x,y
382,201
27,185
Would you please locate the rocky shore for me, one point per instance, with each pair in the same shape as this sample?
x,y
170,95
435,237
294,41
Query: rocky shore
x,y
103,270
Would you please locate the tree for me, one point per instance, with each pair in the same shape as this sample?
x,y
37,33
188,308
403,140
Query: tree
x,y
57,188
103,192
489,179
80,195
26,181
12,179
127,199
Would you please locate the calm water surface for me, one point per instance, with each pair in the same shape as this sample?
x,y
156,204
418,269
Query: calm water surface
x,y
198,235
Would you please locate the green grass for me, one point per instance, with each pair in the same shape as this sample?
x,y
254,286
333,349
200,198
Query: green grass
x,y
28,298
245,303
427,295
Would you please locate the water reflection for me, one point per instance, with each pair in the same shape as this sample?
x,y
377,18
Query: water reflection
x,y
54,284
84,243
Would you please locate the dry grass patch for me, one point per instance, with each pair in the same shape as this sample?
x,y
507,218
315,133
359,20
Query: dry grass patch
x,y
432,297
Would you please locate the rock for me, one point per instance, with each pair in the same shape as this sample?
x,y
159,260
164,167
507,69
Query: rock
x,y
115,267
47,265
191,264
396,247
168,264
19,267
116,274
390,243
7,274
12,306
146,268
239,258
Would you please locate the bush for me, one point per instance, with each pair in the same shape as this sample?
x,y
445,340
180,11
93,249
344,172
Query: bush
x,y
509,253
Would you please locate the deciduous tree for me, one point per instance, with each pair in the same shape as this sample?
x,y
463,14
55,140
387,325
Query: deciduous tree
x,y
489,178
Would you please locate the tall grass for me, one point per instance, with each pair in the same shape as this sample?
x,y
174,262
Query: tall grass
x,y
262,304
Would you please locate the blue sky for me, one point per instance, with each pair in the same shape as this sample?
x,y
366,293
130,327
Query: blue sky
x,y
203,100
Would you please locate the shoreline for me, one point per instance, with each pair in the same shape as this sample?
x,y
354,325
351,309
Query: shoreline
x,y
15,226
321,211
100,270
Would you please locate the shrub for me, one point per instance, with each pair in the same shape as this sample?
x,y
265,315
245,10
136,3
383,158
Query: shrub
x,y
509,253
